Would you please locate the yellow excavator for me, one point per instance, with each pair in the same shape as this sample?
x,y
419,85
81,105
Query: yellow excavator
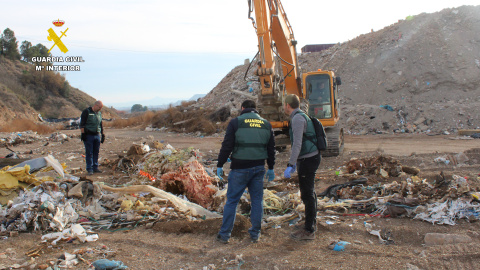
x,y
280,75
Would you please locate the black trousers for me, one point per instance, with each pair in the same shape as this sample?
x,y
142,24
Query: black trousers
x,y
306,181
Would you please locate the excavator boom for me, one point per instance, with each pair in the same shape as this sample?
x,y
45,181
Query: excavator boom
x,y
279,75
277,66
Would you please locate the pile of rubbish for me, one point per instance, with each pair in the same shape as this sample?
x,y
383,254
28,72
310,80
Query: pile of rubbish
x,y
169,184
28,174
58,137
441,201
38,198
37,195
15,138
182,173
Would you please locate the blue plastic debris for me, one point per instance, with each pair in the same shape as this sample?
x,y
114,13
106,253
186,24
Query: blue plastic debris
x,y
388,107
339,246
104,264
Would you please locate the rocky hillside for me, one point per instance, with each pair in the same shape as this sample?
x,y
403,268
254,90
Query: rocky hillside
x,y
24,93
426,68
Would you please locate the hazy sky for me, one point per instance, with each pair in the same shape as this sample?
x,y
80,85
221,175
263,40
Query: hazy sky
x,y
139,50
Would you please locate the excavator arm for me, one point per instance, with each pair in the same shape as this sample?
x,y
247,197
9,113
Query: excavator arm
x,y
279,75
277,66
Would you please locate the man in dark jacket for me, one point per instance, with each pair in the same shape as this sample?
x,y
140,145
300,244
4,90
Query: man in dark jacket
x,y
250,141
306,157
92,135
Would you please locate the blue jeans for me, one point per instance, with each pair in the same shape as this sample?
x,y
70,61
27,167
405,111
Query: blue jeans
x,y
238,180
92,147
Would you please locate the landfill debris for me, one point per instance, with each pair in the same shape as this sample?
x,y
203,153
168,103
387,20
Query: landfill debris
x,y
384,236
440,201
58,137
140,172
448,212
28,174
192,180
105,264
387,107
181,205
338,245
180,172
380,165
44,207
76,231
332,191
238,261
454,160
16,138
68,260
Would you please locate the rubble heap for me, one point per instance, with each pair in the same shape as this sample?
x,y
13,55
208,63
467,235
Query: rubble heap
x,y
417,75
400,192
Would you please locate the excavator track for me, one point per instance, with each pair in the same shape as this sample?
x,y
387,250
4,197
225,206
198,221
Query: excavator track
x,y
335,141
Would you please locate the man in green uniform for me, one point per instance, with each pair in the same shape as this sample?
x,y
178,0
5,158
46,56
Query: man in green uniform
x,y
92,135
250,141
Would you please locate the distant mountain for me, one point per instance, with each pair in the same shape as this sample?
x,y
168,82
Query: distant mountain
x,y
197,96
155,103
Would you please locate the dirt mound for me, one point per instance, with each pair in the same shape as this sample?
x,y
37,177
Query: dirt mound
x,y
417,75
26,93
208,227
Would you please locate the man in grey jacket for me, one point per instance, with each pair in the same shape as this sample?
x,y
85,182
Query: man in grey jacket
x,y
306,157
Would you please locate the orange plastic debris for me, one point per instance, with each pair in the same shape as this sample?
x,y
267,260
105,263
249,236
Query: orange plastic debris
x,y
147,175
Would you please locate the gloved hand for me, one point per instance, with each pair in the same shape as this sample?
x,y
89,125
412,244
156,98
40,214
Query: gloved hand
x,y
83,137
289,170
270,175
220,173
103,138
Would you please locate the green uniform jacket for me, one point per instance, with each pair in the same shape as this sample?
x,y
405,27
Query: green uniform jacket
x,y
251,137
307,145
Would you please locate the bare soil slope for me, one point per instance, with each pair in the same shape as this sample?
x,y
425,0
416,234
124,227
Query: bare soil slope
x,y
25,93
425,67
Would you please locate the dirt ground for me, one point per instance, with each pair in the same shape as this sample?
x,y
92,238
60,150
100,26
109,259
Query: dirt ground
x,y
191,245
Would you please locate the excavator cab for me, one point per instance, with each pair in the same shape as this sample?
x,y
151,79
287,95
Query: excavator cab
x,y
319,96
321,92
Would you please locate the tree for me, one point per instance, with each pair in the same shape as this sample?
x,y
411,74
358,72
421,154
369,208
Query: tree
x,y
138,108
9,45
28,51
42,50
